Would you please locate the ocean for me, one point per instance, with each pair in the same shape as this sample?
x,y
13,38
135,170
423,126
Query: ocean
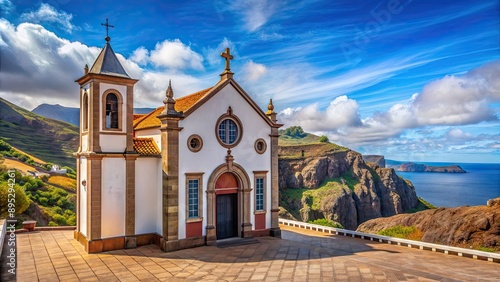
x,y
481,183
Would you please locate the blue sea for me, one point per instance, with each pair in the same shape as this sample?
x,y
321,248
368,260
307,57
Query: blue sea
x,y
481,183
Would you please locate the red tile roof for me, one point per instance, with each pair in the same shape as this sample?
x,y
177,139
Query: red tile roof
x,y
181,105
146,147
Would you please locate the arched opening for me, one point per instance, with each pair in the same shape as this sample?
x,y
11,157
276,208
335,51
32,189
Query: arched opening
x,y
85,110
111,111
226,208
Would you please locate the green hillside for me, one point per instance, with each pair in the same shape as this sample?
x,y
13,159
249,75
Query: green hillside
x,y
295,143
51,140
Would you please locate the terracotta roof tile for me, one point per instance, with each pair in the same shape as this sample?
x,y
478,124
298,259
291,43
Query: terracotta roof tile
x,y
136,116
182,104
146,147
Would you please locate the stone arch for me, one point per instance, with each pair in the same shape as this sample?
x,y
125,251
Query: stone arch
x,y
244,188
119,109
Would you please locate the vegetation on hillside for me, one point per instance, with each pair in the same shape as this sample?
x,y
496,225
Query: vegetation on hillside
x,y
6,150
53,197
315,199
403,232
326,222
44,138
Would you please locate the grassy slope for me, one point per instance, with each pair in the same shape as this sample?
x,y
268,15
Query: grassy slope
x,y
51,140
292,147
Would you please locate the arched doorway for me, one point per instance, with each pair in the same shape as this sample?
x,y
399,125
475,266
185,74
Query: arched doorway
x,y
226,208
235,175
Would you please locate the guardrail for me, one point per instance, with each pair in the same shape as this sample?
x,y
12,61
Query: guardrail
x,y
461,252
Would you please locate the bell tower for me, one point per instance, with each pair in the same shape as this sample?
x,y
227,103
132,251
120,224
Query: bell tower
x,y
106,156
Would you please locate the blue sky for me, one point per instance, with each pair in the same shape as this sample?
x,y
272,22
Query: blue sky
x,y
412,80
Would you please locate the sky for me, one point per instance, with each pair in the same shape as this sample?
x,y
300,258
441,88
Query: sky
x,y
410,80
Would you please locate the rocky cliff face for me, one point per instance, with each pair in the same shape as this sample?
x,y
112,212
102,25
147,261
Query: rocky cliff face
x,y
366,190
477,226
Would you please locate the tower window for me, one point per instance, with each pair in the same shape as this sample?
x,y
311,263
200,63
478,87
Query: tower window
x,y
85,115
111,111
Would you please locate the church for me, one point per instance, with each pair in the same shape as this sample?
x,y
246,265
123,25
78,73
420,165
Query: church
x,y
198,169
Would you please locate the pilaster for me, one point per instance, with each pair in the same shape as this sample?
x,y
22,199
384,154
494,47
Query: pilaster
x,y
170,172
275,230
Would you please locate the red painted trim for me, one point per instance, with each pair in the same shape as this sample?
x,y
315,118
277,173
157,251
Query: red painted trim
x,y
193,229
226,191
260,221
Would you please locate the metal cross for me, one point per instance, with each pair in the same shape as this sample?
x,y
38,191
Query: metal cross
x,y
107,25
226,55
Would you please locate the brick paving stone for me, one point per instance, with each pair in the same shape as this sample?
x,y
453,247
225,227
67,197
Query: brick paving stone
x,y
301,255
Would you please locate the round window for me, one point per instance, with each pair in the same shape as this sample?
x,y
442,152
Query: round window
x,y
260,146
228,131
195,143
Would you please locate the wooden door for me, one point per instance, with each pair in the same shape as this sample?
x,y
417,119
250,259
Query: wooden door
x,y
227,216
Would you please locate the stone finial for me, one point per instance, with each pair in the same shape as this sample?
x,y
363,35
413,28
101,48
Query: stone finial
x,y
169,101
270,111
86,69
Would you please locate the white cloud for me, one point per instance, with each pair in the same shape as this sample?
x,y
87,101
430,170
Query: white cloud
x,y
254,13
174,54
450,101
341,113
458,134
140,56
47,13
39,67
253,71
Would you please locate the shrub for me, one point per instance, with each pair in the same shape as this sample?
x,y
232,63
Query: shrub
x,y
51,223
22,200
323,139
59,219
327,222
295,131
43,201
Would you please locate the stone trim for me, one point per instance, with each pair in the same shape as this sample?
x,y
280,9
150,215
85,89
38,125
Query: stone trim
x,y
260,174
130,196
194,176
260,143
94,202
243,200
229,115
200,143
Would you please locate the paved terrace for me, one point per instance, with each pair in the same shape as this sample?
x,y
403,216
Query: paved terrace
x,y
302,255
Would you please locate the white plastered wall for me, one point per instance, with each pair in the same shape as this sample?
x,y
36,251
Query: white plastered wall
x,y
203,122
82,213
150,133
147,184
113,197
113,143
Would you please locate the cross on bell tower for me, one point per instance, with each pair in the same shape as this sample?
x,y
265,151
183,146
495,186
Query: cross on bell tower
x,y
227,71
107,25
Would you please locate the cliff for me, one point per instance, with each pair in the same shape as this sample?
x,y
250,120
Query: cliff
x,y
340,186
468,227
377,159
413,167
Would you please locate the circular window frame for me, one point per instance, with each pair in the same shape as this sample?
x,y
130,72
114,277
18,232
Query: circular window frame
x,y
264,146
229,115
200,145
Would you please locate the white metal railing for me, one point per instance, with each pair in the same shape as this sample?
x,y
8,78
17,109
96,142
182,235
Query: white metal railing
x,y
475,254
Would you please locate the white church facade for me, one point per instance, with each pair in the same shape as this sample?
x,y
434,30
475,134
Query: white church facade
x,y
200,168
